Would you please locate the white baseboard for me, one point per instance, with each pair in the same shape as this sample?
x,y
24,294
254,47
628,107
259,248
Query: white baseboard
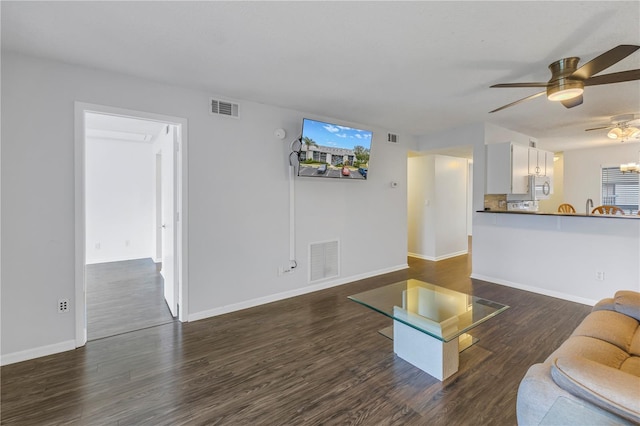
x,y
437,258
543,291
38,352
421,256
287,294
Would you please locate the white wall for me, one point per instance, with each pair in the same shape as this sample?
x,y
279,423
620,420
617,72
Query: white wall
x,y
582,170
120,194
471,135
238,210
451,206
497,134
438,206
420,187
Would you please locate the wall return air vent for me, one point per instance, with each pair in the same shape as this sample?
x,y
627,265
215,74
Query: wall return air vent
x,y
225,108
324,260
392,137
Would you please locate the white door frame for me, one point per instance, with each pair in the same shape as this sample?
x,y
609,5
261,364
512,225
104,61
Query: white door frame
x,y
80,208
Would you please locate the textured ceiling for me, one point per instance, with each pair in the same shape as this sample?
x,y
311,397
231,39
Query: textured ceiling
x,y
415,67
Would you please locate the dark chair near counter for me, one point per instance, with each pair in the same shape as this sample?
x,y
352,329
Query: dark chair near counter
x,y
607,210
566,208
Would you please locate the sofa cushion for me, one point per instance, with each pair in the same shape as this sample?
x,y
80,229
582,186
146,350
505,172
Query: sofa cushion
x,y
608,304
591,348
628,303
632,366
635,343
610,326
605,387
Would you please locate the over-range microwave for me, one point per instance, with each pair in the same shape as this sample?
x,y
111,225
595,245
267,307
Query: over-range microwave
x,y
541,187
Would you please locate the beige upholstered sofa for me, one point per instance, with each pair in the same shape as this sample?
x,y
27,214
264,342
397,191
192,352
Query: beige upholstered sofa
x,y
594,376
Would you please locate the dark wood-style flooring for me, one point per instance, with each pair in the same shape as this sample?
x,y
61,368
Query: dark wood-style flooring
x,y
124,296
315,359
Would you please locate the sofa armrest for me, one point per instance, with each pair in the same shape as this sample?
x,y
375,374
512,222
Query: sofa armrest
x,y
609,388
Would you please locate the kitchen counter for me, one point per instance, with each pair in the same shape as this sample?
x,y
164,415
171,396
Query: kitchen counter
x,y
600,216
571,256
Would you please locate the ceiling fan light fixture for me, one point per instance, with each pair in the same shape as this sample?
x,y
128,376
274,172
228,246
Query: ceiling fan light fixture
x,y
630,168
564,90
615,133
565,94
567,81
635,133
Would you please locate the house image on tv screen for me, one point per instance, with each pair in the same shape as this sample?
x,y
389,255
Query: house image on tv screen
x,y
332,151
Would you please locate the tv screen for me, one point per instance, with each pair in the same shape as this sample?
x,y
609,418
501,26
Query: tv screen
x,y
333,151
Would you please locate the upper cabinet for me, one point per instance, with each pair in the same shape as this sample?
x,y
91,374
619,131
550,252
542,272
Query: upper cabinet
x,y
540,162
509,166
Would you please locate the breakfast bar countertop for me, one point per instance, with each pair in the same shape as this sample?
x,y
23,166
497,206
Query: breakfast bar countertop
x,y
607,216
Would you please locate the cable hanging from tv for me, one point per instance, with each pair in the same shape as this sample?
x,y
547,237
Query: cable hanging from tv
x,y
295,151
294,161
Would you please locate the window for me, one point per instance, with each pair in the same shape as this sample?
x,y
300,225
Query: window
x,y
620,189
320,156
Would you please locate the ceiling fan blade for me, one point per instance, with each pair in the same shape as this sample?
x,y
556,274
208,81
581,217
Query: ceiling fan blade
x,y
598,128
518,101
520,85
615,77
604,61
573,102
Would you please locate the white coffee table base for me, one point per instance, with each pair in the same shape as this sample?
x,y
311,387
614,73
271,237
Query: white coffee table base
x,y
433,356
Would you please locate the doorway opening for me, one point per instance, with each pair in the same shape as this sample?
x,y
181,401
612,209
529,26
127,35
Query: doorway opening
x,y
440,203
130,210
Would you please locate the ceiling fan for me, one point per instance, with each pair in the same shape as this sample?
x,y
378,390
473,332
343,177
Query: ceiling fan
x,y
622,127
568,81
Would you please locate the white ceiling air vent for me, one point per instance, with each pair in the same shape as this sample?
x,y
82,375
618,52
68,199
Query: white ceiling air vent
x,y
226,108
391,137
324,260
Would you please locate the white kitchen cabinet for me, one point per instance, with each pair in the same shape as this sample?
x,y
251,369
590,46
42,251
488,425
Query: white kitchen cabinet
x,y
507,168
540,162
536,162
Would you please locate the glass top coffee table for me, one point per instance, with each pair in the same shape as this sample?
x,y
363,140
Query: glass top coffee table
x,y
430,323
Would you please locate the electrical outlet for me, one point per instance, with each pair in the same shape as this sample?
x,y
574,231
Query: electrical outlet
x,y
282,270
63,306
600,275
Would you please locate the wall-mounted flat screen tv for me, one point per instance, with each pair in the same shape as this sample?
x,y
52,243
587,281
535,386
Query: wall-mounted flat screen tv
x,y
333,151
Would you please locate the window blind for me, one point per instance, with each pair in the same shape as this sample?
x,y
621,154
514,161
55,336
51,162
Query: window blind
x,y
621,189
